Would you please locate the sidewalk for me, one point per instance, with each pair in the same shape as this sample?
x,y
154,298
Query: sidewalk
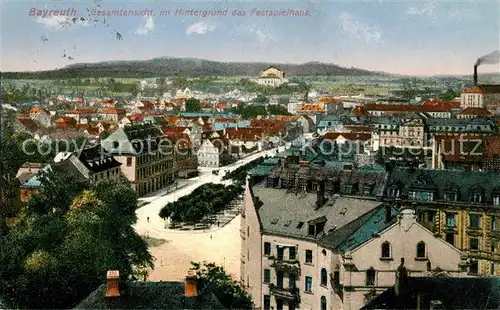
x,y
164,191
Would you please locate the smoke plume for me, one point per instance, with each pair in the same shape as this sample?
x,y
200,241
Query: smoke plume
x,y
489,59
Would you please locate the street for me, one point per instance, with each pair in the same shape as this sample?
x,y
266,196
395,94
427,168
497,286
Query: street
x,y
174,250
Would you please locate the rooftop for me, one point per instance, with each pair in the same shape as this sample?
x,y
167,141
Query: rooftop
x,y
149,295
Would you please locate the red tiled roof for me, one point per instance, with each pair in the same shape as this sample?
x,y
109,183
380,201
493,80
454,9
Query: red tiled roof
x,y
113,111
82,111
136,117
268,125
475,111
492,146
475,90
243,134
310,108
172,130
225,120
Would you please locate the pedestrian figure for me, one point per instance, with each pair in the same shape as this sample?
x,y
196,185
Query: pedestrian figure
x,y
148,219
210,236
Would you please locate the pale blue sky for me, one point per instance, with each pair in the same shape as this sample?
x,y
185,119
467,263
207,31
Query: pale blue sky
x,y
407,37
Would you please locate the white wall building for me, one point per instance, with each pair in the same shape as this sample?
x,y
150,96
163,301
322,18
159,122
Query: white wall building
x,y
335,254
272,76
208,155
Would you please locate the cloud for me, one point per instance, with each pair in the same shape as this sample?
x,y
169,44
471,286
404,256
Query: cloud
x,y
259,34
148,26
426,9
199,28
356,28
59,22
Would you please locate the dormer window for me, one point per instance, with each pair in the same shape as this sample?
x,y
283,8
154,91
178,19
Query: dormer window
x,y
394,192
451,196
348,189
476,194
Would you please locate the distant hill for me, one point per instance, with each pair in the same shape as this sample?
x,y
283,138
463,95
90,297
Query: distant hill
x,y
185,67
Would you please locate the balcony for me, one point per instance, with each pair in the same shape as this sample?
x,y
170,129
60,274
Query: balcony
x,y
287,266
290,294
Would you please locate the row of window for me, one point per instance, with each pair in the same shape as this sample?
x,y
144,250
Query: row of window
x,y
145,172
292,253
292,279
148,158
386,250
105,175
475,197
474,221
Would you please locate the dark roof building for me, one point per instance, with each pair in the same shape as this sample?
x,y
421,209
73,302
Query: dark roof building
x,y
441,292
150,295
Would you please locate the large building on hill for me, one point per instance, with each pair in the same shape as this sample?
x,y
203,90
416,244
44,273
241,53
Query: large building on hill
x,y
272,76
146,156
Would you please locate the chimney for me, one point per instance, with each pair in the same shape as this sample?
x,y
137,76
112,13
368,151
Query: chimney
x,y
113,283
475,75
388,213
191,284
320,194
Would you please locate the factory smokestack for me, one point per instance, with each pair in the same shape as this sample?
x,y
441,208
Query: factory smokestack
x,y
475,75
488,59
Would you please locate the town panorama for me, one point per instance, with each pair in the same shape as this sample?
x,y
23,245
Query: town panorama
x,y
280,155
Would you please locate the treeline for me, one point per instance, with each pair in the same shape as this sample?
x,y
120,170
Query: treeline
x,y
252,111
205,200
239,175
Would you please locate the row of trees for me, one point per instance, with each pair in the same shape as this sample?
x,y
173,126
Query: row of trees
x,y
68,238
252,111
239,175
205,200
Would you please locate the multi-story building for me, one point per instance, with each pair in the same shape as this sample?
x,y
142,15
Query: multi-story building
x,y
407,132
485,96
461,207
145,154
318,239
208,155
272,76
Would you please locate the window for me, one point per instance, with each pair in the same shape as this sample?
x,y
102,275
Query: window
x,y
309,256
450,219
280,251
348,188
421,253
267,248
324,277
386,250
267,275
496,201
279,304
129,161
267,302
279,279
370,276
492,269
474,244
309,281
474,267
291,280
474,220
312,230
450,196
291,253
450,238
323,303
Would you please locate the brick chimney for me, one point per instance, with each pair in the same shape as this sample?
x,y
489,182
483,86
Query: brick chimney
x,y
191,284
112,283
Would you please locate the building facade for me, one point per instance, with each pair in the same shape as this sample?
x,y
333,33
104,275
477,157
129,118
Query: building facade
x,y
146,156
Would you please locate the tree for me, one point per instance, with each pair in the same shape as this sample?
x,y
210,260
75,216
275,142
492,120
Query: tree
x,y
229,292
193,105
58,258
